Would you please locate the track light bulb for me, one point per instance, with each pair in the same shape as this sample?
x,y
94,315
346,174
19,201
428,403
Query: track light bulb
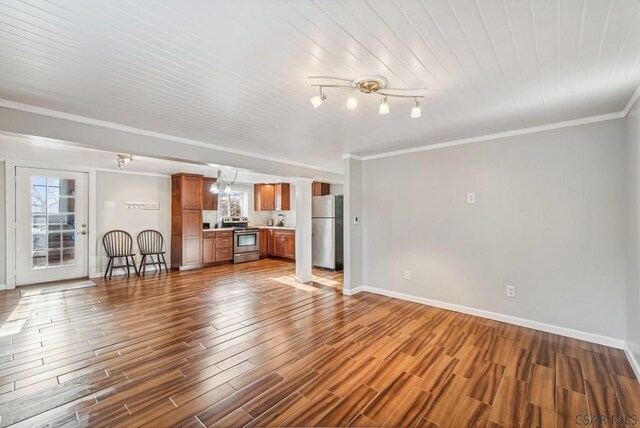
x,y
384,107
214,188
415,111
352,103
227,189
318,99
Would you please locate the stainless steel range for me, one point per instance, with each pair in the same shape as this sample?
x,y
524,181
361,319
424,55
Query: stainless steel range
x,y
246,240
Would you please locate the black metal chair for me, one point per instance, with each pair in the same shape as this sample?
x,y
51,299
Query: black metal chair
x,y
119,244
151,243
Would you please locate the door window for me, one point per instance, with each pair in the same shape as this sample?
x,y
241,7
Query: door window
x,y
53,222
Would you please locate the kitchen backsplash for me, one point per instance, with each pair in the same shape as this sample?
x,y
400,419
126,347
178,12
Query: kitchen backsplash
x,y
257,218
261,218
210,217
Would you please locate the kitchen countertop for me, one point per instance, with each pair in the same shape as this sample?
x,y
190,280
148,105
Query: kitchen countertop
x,y
277,227
220,229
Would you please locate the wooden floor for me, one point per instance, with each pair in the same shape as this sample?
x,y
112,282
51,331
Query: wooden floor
x,y
245,345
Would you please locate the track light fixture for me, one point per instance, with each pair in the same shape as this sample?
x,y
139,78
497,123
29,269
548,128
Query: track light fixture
x,y
370,84
415,111
384,107
123,160
352,102
318,99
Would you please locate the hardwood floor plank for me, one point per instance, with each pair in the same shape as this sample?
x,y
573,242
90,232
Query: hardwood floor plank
x,y
472,414
509,403
541,390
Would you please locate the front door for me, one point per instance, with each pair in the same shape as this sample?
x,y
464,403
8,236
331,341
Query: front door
x,y
51,225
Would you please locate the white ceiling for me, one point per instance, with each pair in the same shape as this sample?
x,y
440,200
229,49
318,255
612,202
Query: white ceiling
x,y
234,73
60,153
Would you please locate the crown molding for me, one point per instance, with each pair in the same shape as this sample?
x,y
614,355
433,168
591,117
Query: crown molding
x,y
514,133
147,133
351,156
632,101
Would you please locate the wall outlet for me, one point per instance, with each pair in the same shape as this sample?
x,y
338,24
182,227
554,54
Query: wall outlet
x,y
471,198
511,291
407,274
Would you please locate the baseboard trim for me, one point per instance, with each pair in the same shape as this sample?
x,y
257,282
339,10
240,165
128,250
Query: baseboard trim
x,y
352,291
635,364
3,286
549,328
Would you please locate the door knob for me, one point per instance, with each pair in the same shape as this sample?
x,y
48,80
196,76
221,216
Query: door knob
x,y
84,232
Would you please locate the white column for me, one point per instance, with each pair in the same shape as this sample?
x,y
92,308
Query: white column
x,y
303,230
353,268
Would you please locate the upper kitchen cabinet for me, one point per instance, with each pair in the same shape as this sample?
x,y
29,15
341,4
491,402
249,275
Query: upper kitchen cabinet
x,y
320,189
264,197
209,200
272,197
187,191
283,197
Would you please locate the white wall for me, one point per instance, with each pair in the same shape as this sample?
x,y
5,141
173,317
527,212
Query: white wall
x,y
633,253
120,188
3,232
549,220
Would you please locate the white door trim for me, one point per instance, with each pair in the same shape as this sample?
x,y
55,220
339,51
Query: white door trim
x,y
10,212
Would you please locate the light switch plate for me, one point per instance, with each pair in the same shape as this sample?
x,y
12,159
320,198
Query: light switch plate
x,y
471,198
356,220
109,204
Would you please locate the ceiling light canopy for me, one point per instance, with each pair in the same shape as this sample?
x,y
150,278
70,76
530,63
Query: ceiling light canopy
x,y
369,84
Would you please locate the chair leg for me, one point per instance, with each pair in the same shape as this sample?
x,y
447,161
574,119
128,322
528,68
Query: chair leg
x,y
165,263
107,270
111,269
135,268
126,260
143,266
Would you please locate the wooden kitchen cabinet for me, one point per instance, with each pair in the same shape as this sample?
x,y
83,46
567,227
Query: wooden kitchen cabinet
x,y
217,246
272,197
282,243
264,197
186,221
264,243
209,200
208,250
320,189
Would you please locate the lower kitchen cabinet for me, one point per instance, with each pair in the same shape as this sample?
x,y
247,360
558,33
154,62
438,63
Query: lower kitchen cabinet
x,y
282,243
217,246
264,243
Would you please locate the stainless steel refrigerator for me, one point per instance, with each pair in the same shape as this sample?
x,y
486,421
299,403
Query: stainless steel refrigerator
x,y
327,231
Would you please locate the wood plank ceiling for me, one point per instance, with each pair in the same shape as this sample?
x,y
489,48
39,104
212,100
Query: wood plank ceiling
x,y
234,73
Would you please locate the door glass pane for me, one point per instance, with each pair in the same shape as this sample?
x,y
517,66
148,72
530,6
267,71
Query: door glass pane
x,y
53,225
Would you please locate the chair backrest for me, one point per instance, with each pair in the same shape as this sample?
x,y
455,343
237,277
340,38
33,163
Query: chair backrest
x,y
117,243
150,242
